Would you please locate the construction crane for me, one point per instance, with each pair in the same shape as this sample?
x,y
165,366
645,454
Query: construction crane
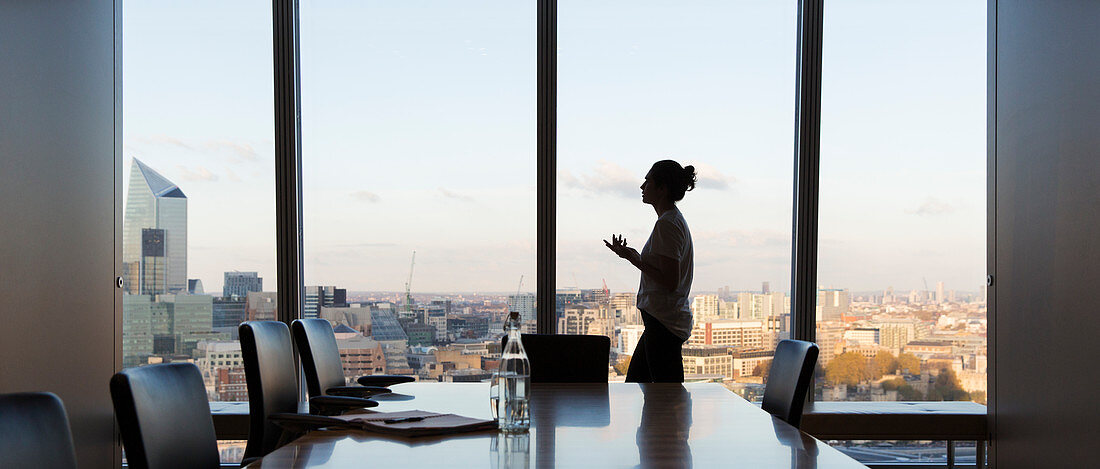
x,y
408,285
520,287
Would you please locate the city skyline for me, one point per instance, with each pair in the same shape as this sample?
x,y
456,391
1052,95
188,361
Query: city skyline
x,y
371,198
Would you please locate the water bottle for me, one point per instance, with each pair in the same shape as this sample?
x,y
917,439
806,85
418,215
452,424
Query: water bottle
x,y
512,382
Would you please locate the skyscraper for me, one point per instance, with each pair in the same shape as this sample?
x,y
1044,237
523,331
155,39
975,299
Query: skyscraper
x,y
524,304
154,234
318,296
241,283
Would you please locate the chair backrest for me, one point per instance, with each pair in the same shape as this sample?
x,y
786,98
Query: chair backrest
x,y
319,353
164,418
564,358
789,379
34,432
270,376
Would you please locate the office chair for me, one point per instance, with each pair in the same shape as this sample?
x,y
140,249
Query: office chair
x,y
164,418
563,358
320,356
789,379
34,432
271,378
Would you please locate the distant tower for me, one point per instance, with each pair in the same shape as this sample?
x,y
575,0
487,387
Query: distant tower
x,y
765,288
241,283
154,234
940,297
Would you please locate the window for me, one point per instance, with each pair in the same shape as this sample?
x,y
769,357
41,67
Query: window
x,y
704,83
418,123
901,311
199,219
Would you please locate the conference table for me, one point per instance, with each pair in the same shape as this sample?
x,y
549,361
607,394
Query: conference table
x,y
576,425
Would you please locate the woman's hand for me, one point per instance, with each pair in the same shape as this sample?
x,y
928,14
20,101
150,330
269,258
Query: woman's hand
x,y
619,247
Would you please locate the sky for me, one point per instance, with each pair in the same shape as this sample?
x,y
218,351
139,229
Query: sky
x,y
418,123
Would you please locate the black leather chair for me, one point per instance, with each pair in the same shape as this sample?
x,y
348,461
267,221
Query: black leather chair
x,y
34,432
563,358
789,379
271,378
320,356
164,418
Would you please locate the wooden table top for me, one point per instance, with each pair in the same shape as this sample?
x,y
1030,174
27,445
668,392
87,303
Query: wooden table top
x,y
577,425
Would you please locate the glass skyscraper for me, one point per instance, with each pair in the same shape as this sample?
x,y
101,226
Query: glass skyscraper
x,y
154,234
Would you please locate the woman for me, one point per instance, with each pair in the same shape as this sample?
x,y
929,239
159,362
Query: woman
x,y
666,263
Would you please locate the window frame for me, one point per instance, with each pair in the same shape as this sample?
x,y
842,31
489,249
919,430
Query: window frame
x,y
288,163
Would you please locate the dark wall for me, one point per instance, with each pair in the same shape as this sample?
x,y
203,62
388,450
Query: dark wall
x,y
1046,320
57,210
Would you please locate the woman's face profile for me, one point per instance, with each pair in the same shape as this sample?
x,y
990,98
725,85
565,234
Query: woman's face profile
x,y
651,191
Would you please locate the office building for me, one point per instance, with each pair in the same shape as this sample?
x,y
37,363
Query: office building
x,y
359,355
524,304
728,332
628,338
707,360
154,234
832,304
317,297
241,284
262,306
229,312
746,361
894,334
587,319
624,306
863,335
705,308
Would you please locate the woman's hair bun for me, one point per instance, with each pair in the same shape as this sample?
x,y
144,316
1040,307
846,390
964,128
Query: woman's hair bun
x,y
689,177
678,179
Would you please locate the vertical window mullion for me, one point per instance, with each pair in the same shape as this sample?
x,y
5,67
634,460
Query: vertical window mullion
x,y
547,165
288,159
806,174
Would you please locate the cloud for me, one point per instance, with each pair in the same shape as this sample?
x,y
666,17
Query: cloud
x,y
365,196
606,178
709,177
199,174
932,206
243,150
452,195
231,175
238,151
166,140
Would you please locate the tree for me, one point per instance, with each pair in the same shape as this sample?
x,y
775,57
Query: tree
x,y
946,388
762,369
623,365
978,396
907,393
908,364
893,384
884,363
848,368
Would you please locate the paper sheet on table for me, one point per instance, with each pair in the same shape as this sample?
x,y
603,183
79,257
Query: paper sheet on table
x,y
432,423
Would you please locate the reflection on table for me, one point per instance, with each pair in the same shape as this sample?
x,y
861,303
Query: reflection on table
x,y
578,425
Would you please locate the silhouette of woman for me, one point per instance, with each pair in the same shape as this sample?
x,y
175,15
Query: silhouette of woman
x,y
666,263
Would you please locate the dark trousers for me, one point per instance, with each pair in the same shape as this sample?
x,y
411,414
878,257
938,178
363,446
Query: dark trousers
x,y
657,358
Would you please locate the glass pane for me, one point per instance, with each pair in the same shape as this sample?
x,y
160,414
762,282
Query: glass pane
x,y
199,196
709,84
418,129
901,315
